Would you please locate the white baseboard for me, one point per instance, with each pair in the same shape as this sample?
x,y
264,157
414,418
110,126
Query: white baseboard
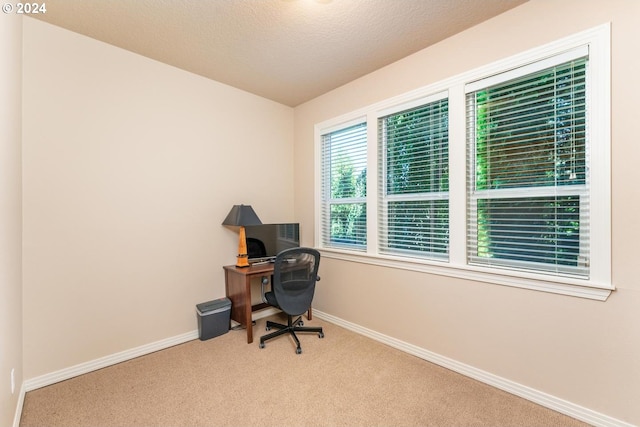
x,y
575,411
18,414
265,313
103,362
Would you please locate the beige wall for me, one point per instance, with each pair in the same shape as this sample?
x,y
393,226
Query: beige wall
x,y
583,351
10,214
130,167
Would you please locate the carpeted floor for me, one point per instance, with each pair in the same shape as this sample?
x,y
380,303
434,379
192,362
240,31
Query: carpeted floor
x,y
344,379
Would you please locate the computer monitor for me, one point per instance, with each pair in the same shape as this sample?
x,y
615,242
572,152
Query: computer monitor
x,y
265,241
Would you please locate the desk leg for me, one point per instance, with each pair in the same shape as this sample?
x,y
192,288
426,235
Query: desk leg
x,y
238,290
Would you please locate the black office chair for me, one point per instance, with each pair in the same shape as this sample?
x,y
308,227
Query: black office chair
x,y
295,273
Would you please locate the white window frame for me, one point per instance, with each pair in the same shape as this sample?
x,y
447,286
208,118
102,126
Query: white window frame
x,y
599,284
385,199
520,192
326,202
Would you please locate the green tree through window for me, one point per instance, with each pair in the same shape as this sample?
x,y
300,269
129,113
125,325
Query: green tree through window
x,y
345,180
530,166
415,177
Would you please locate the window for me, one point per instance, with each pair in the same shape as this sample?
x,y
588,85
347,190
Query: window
x,y
414,181
528,185
500,174
344,190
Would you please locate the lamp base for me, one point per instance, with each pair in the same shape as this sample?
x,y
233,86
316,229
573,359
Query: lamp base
x,y
243,257
243,261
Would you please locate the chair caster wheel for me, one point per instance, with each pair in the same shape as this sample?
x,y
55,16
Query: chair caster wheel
x,y
301,323
261,345
268,328
321,335
298,350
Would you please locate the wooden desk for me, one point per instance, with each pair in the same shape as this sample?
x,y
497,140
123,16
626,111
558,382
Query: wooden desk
x,y
237,282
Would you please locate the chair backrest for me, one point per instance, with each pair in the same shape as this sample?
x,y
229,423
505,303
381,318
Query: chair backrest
x,y
295,273
255,248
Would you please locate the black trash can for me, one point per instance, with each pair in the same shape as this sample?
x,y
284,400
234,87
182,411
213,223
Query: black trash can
x,y
213,318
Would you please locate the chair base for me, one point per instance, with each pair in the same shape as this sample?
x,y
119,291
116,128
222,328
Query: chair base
x,y
291,328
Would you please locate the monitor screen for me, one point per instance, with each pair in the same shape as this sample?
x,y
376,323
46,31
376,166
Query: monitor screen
x,y
265,241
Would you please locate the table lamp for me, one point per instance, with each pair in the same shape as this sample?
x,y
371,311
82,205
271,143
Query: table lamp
x,y
242,215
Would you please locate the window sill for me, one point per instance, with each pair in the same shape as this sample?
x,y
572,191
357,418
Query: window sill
x,y
563,286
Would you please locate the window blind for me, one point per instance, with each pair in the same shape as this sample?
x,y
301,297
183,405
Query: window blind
x,y
344,189
527,180
413,207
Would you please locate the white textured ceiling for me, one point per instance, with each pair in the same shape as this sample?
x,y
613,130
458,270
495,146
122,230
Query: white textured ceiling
x,y
289,51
